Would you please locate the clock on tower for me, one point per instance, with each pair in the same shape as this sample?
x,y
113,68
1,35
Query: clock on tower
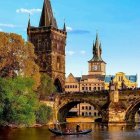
x,y
95,67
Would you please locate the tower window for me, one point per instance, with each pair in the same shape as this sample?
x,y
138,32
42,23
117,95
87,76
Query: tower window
x,y
58,63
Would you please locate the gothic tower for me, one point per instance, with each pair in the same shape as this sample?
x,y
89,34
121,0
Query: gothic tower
x,y
49,42
96,65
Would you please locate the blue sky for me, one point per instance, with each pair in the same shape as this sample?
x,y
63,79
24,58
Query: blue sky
x,y
116,21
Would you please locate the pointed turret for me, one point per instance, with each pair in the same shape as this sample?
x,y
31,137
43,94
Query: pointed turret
x,y
96,65
100,47
47,17
29,24
64,28
97,41
93,49
97,50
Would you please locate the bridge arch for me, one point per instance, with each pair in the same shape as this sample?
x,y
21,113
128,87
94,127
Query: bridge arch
x,y
131,111
65,106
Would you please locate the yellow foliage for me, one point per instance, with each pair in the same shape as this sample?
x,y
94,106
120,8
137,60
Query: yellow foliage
x,y
17,57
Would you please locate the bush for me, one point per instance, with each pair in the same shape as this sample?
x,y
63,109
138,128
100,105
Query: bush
x,y
18,101
44,114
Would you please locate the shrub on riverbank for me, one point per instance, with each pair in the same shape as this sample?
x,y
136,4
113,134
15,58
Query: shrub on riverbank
x,y
18,101
43,114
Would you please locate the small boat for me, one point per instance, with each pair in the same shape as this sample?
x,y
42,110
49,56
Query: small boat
x,y
58,132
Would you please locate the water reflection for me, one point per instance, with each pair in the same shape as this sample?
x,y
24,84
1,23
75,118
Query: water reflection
x,y
100,132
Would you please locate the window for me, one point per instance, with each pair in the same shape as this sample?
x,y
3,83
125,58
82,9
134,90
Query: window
x,y
86,107
94,88
83,88
75,86
95,114
58,63
89,107
120,78
83,108
89,113
90,88
98,88
83,113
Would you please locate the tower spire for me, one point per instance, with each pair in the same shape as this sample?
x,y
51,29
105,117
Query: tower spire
x,y
64,27
97,41
97,50
29,24
47,15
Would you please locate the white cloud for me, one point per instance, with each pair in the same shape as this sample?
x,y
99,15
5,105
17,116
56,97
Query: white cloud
x,y
70,52
1,30
69,29
77,31
28,11
7,25
83,52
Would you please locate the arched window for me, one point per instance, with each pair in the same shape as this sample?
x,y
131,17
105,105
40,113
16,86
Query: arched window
x,y
58,63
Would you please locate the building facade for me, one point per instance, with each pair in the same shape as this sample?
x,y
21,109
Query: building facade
x,y
49,42
96,74
123,81
96,80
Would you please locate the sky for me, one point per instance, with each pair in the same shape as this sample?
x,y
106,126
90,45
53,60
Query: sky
x,y
116,21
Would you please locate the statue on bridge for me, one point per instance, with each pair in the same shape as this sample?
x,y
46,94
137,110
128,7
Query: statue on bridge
x,y
113,86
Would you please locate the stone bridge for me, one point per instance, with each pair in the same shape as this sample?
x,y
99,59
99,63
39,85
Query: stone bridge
x,y
114,106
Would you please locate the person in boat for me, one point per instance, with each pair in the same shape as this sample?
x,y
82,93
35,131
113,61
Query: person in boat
x,y
78,128
55,127
122,128
68,130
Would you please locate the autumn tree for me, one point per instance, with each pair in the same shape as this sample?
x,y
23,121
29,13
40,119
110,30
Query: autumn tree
x,y
17,57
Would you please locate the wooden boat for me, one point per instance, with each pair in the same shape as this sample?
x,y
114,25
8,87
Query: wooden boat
x,y
58,132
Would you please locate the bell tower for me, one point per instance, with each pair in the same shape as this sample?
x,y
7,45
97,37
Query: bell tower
x,y
49,42
96,65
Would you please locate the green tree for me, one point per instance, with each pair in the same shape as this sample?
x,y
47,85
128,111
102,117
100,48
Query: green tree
x,y
44,114
17,57
46,87
18,101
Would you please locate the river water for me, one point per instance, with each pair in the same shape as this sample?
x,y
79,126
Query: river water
x,y
99,133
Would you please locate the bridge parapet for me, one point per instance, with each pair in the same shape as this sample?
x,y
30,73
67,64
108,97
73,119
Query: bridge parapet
x,y
112,111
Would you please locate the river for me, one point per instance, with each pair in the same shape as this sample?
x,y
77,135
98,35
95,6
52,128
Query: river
x,y
99,133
